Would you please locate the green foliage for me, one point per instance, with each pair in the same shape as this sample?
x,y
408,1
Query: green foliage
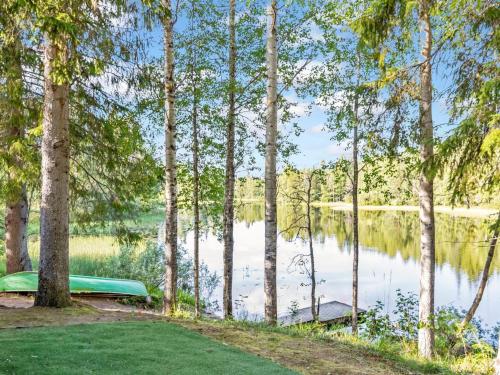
x,y
377,324
114,173
377,21
453,343
148,266
210,199
18,115
383,181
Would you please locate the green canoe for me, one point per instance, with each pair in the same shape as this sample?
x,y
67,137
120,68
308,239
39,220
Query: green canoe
x,y
28,282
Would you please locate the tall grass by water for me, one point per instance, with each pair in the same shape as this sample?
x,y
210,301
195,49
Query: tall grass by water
x,y
89,255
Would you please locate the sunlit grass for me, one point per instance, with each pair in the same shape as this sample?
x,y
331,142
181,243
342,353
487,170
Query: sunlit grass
x,y
89,255
83,246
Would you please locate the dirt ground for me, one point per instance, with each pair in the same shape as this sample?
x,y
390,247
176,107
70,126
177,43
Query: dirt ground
x,y
304,355
18,312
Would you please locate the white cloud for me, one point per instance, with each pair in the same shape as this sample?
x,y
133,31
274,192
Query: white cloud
x,y
338,100
307,69
318,129
342,149
298,107
316,33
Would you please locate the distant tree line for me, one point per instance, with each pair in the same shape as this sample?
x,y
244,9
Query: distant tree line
x,y
395,187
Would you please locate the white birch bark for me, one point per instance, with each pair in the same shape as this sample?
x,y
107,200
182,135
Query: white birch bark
x,y
355,226
497,361
196,193
426,191
228,219
170,292
270,287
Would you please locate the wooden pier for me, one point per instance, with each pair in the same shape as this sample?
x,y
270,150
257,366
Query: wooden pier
x,y
333,312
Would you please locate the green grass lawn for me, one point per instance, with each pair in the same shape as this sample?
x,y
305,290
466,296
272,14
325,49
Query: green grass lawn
x,y
123,348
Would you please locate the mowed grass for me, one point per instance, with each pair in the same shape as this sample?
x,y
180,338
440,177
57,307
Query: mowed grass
x,y
124,348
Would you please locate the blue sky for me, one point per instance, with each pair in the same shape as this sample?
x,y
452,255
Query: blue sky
x,y
314,143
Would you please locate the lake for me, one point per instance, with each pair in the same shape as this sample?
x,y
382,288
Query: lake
x,y
389,254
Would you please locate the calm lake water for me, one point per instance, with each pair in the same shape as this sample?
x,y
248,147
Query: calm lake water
x,y
389,253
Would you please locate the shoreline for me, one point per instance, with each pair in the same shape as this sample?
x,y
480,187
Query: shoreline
x,y
473,212
476,212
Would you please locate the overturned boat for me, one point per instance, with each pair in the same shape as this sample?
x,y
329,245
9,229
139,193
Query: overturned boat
x,y
27,282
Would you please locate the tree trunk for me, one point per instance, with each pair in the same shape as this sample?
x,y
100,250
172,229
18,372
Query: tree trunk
x,y
497,361
314,311
16,234
196,198
229,180
355,229
17,210
53,274
270,289
486,272
170,292
427,230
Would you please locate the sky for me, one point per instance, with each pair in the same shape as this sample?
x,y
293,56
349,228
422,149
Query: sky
x,y
314,143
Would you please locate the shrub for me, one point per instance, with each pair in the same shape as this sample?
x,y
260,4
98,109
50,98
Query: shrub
x,y
470,348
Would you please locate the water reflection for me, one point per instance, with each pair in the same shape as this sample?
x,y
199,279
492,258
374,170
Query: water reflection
x,y
460,242
389,252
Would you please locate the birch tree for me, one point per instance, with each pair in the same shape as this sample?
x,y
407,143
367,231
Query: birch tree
x,y
426,189
375,26
300,193
196,197
342,85
270,288
230,172
497,361
170,295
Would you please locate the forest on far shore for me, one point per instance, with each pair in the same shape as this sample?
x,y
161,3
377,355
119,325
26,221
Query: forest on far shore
x,y
382,182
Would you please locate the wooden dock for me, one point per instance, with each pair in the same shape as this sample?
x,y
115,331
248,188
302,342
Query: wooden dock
x,y
333,312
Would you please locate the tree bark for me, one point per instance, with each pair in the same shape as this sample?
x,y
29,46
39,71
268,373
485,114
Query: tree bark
x,y
497,361
270,288
228,219
17,209
355,226
170,292
486,272
196,196
16,234
53,274
314,310
426,192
